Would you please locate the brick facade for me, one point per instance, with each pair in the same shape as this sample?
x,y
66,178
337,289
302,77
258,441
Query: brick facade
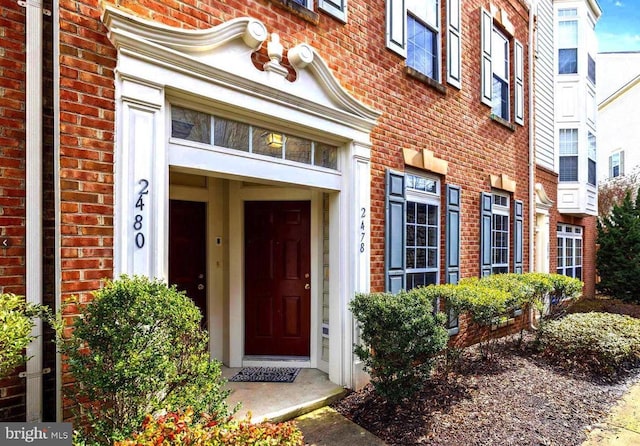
x,y
450,122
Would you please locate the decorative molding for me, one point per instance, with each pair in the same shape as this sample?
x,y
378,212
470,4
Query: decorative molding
x,y
543,201
424,159
503,182
221,55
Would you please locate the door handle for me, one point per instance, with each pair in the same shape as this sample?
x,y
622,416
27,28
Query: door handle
x,y
200,287
307,286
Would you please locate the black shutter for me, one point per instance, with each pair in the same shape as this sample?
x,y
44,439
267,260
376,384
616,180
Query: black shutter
x,y
395,232
485,233
518,247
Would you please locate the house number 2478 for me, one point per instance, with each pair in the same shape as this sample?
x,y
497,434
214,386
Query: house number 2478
x,y
138,226
363,214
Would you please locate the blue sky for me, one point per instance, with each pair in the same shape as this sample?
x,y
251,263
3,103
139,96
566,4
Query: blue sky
x,y
619,26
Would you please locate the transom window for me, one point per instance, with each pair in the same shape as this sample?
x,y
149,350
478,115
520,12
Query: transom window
x,y
500,234
422,228
569,251
568,41
500,61
423,26
568,154
201,127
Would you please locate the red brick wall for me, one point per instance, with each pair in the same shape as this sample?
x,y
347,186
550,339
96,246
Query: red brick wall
x,y
455,125
12,180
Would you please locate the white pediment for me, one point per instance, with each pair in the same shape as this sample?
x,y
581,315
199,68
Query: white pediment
x,y
223,54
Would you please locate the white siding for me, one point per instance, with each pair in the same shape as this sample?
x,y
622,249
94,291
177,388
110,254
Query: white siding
x,y
544,79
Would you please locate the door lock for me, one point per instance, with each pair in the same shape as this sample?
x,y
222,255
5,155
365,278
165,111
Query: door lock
x,y
200,287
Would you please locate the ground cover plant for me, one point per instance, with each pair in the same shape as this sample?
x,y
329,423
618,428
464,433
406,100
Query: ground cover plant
x,y
181,428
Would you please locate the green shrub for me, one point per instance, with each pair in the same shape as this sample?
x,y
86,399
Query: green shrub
x,y
180,428
400,337
600,342
16,322
618,257
484,305
565,287
138,348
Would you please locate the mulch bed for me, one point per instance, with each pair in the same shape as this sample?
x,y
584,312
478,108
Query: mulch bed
x,y
515,398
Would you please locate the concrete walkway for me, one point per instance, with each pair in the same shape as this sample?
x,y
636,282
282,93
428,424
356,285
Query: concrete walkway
x,y
622,428
326,427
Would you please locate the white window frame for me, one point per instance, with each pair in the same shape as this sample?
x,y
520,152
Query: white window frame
x,y
567,15
616,159
431,25
430,199
569,151
573,236
498,58
502,211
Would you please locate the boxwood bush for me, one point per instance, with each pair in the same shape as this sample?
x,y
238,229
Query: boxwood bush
x,y
137,348
600,342
400,337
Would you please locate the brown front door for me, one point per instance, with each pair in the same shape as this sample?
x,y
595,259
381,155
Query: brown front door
x,y
277,278
188,250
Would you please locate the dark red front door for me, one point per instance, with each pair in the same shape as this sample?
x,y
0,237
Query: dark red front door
x,y
188,250
277,278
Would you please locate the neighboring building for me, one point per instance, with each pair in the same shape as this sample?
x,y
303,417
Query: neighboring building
x,y
618,120
565,138
242,149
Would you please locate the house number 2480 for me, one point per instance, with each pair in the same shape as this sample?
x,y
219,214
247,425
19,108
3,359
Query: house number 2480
x,y
363,214
138,226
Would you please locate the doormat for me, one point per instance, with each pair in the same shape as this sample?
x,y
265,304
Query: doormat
x,y
266,374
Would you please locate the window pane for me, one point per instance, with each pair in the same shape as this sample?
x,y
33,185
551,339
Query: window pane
x,y
325,156
411,235
500,98
591,69
297,149
568,61
568,34
433,215
421,236
261,146
568,168
422,214
231,134
568,141
411,258
422,48
411,212
592,172
190,125
421,258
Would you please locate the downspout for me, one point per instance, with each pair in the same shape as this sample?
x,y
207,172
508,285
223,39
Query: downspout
x,y
56,193
33,205
532,197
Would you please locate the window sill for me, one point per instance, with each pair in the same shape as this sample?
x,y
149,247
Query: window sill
x,y
503,122
298,10
426,80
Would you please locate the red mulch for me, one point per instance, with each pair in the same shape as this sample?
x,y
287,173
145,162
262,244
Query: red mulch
x,y
515,398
